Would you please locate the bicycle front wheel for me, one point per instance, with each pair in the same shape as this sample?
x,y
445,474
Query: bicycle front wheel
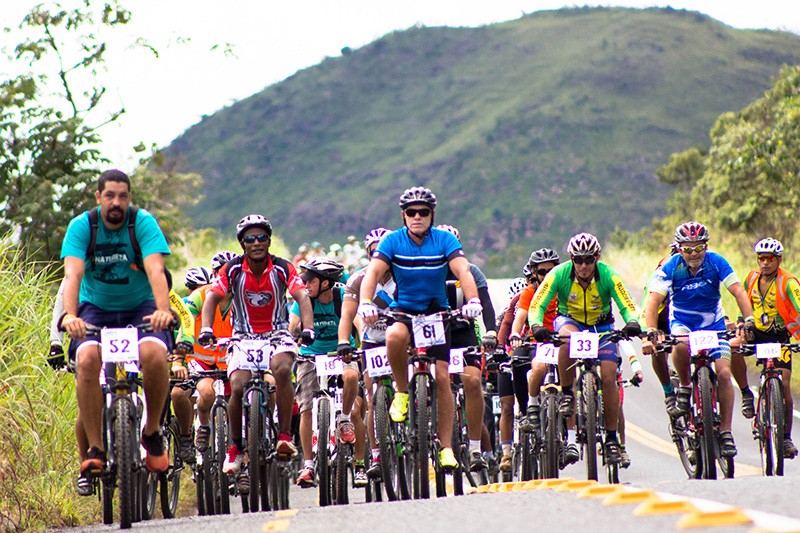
x,y
323,455
222,503
589,410
552,437
422,408
707,436
343,454
254,432
772,450
124,443
170,481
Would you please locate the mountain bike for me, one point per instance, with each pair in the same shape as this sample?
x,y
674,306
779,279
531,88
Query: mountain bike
x,y
703,420
768,424
169,482
269,473
552,437
589,417
460,438
526,447
392,437
427,331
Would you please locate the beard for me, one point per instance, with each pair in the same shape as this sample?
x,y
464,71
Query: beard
x,y
115,215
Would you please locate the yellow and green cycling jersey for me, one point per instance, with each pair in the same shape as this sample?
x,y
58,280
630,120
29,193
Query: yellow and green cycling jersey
x,y
590,306
186,331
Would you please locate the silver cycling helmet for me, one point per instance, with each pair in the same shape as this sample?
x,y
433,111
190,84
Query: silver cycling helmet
x,y
374,237
417,195
324,268
252,221
220,258
450,229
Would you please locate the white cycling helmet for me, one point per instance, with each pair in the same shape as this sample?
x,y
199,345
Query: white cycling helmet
x,y
450,229
769,246
220,258
517,284
324,268
691,232
583,244
197,277
253,221
374,237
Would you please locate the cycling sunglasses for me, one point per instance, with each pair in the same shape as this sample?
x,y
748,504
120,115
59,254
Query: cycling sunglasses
x,y
543,271
411,212
767,258
584,260
689,249
250,239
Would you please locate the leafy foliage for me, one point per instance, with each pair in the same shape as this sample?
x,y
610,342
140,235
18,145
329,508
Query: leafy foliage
x,y
528,130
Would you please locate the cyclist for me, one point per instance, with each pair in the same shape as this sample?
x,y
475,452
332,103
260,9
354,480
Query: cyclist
x,y
353,253
371,337
463,334
775,296
258,282
321,276
659,360
117,286
197,280
584,288
419,256
692,279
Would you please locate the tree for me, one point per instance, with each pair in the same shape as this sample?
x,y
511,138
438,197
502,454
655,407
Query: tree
x,y
50,119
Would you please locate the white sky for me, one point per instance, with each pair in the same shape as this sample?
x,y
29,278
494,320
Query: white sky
x,y
275,38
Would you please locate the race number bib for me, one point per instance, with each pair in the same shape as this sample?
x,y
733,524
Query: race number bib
x,y
703,340
583,345
119,345
457,360
377,362
428,331
769,350
496,405
547,354
252,354
328,365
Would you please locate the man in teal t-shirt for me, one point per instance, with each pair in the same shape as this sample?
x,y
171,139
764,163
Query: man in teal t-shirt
x,y
321,276
115,288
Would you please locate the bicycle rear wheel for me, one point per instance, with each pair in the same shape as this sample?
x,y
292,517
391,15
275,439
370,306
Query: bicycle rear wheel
x,y
323,452
707,438
124,443
170,481
589,412
422,447
343,454
552,437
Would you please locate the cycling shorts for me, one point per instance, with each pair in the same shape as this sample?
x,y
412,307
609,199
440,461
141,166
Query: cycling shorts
x,y
606,351
308,384
724,349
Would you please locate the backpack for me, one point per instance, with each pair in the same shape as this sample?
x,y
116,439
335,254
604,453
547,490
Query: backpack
x,y
93,223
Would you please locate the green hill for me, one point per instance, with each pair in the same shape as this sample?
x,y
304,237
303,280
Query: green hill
x,y
528,131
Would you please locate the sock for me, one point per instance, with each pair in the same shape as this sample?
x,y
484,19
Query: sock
x,y
344,417
746,391
668,389
570,436
375,453
308,463
611,435
567,390
533,400
474,445
506,446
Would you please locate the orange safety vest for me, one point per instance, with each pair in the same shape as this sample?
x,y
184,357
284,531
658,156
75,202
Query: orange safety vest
x,y
786,310
222,328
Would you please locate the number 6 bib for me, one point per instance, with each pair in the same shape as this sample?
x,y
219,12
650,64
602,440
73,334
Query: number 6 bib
x,y
583,345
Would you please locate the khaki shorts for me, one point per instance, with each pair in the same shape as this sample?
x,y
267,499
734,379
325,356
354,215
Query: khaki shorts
x,y
308,384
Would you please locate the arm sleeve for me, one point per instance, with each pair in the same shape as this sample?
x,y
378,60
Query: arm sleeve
x,y
489,319
627,306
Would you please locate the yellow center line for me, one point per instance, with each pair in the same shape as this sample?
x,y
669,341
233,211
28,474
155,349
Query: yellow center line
x,y
658,444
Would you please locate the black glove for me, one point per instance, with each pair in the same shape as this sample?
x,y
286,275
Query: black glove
x,y
344,351
632,329
489,342
307,337
540,333
56,357
206,338
636,379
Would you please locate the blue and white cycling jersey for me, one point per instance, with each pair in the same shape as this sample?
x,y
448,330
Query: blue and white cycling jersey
x,y
419,270
694,298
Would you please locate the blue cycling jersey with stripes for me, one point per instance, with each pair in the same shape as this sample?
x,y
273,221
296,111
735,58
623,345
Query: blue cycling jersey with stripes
x,y
419,270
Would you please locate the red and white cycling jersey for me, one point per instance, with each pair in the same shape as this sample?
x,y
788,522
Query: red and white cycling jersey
x,y
259,303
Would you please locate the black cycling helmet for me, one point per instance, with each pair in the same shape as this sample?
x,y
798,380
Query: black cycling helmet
x,y
324,268
417,195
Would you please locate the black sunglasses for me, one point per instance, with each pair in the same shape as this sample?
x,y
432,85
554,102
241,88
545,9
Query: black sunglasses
x,y
411,212
585,260
250,239
543,271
